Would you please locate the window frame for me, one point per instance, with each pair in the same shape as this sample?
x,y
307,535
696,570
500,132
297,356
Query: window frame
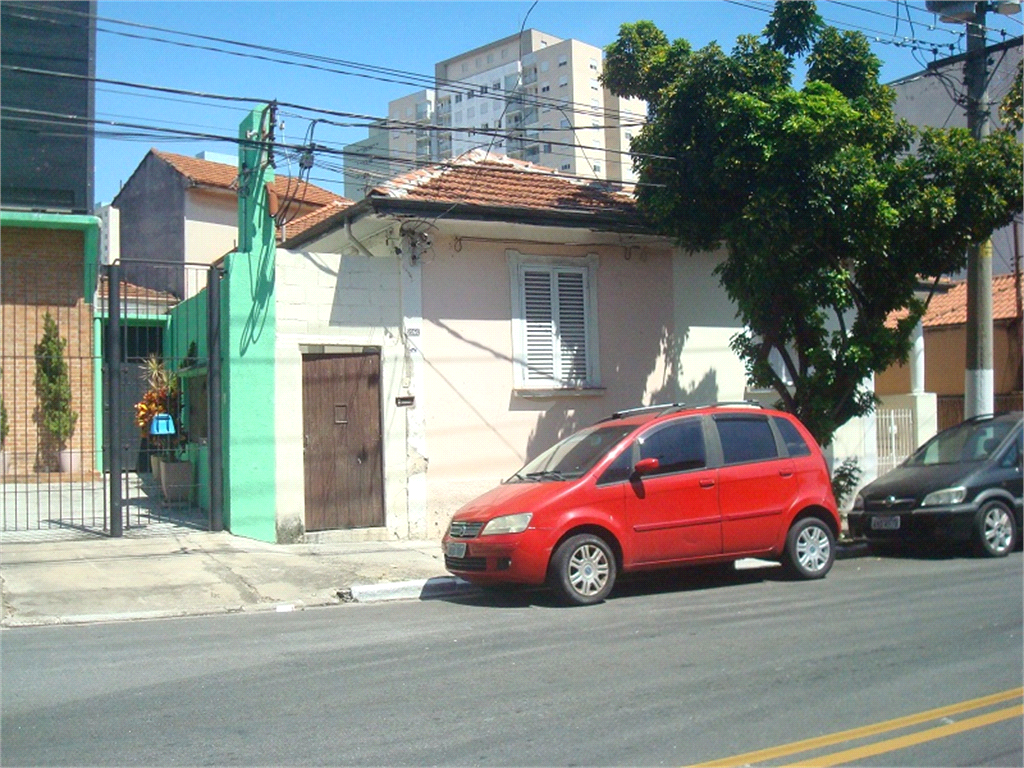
x,y
695,422
721,418
519,263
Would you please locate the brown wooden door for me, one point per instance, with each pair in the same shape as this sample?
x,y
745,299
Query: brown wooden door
x,y
342,441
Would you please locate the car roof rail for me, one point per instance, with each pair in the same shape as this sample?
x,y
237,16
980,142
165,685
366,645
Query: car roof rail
x,y
730,403
982,416
665,407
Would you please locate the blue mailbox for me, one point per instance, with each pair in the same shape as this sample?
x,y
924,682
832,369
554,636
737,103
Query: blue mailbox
x,y
162,424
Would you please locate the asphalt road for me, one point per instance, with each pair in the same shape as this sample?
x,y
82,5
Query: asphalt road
x,y
676,670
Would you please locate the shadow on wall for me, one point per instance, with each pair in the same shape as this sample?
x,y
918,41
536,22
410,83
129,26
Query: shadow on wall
x,y
563,418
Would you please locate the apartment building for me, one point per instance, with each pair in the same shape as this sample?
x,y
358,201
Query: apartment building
x,y
534,97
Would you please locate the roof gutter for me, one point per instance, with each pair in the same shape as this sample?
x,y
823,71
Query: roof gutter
x,y
599,220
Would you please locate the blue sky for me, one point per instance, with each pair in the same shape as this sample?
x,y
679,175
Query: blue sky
x,y
406,36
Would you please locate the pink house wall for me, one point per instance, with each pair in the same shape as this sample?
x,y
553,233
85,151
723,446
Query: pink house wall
x,y
478,429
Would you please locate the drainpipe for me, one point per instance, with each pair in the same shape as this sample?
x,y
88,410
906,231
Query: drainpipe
x,y
917,359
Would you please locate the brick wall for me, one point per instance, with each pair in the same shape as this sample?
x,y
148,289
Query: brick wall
x,y
41,270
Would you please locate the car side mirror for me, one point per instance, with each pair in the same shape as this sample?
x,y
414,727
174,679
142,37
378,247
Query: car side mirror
x,y
646,466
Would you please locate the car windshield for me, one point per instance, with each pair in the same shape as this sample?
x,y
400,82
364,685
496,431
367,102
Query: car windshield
x,y
573,457
970,441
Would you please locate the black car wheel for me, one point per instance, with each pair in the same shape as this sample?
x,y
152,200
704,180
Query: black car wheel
x,y
583,570
995,530
810,549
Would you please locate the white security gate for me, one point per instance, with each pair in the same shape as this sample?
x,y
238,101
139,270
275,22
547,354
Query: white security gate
x,y
895,437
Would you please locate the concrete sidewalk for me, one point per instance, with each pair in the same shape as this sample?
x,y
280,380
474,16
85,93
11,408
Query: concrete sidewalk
x,y
176,571
186,573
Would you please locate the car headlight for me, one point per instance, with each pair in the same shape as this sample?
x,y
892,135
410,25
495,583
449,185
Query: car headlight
x,y
507,524
945,497
858,503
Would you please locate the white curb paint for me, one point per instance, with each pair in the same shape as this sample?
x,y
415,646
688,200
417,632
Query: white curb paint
x,y
419,589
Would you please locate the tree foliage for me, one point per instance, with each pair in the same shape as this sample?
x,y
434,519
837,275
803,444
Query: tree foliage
x,y
1011,110
829,221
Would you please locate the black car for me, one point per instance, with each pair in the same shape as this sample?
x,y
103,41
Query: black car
x,y
962,485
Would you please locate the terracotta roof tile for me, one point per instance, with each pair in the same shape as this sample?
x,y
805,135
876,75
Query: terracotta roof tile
x,y
297,226
480,178
222,175
950,308
137,292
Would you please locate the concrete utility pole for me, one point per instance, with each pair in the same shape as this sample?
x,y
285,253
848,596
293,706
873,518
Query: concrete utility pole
x,y
979,396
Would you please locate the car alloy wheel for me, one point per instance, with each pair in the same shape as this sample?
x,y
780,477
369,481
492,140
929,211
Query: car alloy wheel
x,y
813,548
583,570
810,548
588,570
997,532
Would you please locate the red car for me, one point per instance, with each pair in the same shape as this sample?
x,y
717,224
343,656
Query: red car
x,y
651,488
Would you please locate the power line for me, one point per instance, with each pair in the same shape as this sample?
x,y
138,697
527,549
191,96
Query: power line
x,y
368,119
42,117
386,74
914,44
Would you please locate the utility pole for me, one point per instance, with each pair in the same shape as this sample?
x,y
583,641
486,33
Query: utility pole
x,y
979,396
979,379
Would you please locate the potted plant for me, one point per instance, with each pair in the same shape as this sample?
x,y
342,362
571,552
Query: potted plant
x,y
158,416
5,428
54,413
176,477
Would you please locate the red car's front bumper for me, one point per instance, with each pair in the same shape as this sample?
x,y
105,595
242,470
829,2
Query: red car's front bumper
x,y
513,558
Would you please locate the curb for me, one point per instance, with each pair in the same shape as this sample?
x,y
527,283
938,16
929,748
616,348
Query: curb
x,y
17,622
418,589
845,550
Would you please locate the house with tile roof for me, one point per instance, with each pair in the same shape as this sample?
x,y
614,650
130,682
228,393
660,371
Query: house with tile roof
x,y
179,209
174,217
462,318
944,350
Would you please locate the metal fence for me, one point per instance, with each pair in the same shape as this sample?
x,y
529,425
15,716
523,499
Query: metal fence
x,y
106,413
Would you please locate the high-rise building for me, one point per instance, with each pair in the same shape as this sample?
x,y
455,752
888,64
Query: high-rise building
x,y
532,96
49,58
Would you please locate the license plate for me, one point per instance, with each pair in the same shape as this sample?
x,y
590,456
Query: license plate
x,y
455,549
885,523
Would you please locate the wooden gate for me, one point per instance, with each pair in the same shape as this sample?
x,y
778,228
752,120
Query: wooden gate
x,y
342,441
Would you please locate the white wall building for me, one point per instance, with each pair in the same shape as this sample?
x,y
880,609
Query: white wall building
x,y
532,96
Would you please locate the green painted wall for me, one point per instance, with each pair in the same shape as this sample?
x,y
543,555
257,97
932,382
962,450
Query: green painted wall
x,y
187,327
249,331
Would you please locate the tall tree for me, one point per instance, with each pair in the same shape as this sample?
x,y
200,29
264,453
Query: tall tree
x,y
830,222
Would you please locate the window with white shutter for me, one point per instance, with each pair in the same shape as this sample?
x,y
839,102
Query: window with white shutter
x,y
554,324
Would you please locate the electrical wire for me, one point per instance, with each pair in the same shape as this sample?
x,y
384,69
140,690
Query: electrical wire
x,y
387,74
42,117
368,120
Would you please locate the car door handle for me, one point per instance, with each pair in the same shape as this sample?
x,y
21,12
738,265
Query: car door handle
x,y
707,483
785,473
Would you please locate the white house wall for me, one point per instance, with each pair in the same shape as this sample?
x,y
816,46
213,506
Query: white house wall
x,y
705,322
211,225
328,302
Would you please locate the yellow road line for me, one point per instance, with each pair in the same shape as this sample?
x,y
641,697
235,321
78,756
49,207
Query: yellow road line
x,y
902,742
857,733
